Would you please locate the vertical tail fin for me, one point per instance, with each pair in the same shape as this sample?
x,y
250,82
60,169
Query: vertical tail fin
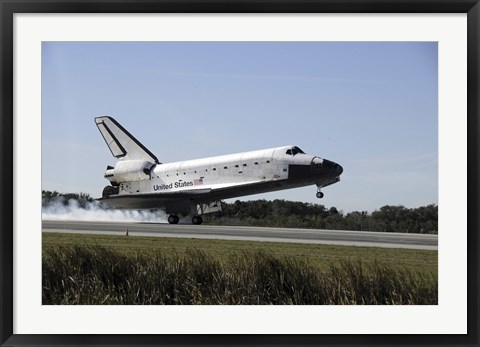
x,y
121,143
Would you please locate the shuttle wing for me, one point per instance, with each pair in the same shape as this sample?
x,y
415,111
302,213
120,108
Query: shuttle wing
x,y
153,200
162,195
121,143
159,199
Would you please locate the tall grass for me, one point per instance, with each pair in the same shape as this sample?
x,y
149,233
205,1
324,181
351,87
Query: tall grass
x,y
97,275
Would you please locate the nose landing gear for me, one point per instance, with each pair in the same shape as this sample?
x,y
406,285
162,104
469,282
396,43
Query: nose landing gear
x,y
319,193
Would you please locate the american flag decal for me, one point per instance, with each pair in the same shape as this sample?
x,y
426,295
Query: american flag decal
x,y
198,182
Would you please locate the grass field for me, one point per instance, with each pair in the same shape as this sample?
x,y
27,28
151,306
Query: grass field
x,y
102,269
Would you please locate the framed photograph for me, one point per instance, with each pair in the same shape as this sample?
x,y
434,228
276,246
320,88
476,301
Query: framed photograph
x,y
389,86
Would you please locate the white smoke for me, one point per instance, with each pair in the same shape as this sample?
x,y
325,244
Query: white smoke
x,y
94,211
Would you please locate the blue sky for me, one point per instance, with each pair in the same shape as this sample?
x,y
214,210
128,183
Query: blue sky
x,y
372,107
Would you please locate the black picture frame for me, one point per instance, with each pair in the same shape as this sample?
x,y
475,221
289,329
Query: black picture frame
x,y
7,10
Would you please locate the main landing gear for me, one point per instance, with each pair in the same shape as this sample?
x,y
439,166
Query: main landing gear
x,y
174,219
197,220
319,193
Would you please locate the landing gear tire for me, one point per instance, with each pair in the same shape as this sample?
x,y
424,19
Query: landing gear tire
x,y
109,190
320,195
197,220
172,219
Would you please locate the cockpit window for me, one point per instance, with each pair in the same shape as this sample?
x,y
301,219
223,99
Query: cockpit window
x,y
294,150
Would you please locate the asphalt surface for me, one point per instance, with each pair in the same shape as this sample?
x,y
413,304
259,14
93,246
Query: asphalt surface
x,y
312,236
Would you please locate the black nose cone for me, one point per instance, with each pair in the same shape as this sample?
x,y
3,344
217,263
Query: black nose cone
x,y
332,168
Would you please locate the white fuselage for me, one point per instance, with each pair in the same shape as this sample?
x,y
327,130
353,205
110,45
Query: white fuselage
x,y
217,172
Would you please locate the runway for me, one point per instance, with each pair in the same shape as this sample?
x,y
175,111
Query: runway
x,y
311,236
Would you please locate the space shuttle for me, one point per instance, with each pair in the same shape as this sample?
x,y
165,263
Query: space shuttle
x,y
196,187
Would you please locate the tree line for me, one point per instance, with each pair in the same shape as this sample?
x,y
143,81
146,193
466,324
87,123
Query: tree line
x,y
49,197
295,214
